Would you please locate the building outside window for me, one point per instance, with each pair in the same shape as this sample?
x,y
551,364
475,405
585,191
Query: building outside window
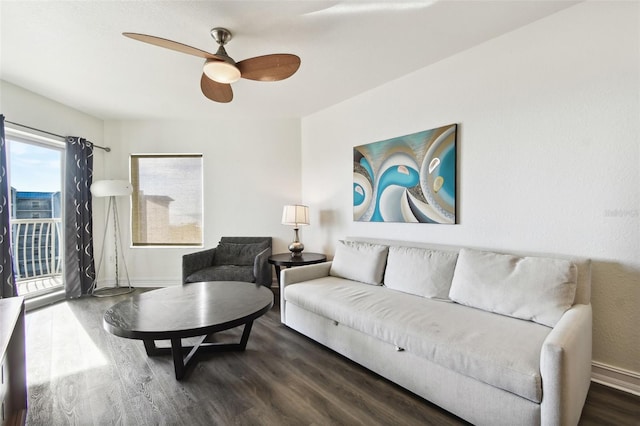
x,y
30,238
166,202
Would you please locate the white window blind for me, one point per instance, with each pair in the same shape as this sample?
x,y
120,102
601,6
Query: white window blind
x,y
167,203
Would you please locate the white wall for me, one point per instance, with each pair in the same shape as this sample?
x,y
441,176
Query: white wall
x,y
548,154
251,169
22,106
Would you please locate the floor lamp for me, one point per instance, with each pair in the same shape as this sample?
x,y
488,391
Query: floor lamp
x,y
112,189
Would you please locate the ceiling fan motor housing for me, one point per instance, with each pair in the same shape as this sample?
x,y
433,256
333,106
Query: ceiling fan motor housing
x,y
221,35
222,71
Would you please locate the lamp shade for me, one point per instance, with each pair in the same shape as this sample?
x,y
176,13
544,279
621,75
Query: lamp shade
x,y
295,215
111,188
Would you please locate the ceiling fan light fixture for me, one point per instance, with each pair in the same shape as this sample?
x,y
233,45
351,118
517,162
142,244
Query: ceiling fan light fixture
x,y
221,71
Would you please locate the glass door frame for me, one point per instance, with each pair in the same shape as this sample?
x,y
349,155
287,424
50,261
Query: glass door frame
x,y
55,293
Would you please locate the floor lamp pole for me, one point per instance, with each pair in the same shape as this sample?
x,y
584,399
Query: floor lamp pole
x,y
112,210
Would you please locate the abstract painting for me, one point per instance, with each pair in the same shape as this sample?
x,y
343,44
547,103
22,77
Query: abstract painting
x,y
409,179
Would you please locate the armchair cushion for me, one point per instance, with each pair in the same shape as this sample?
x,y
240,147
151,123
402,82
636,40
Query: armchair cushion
x,y
223,273
238,254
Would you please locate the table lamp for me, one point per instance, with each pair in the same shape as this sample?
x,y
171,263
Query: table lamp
x,y
112,189
295,215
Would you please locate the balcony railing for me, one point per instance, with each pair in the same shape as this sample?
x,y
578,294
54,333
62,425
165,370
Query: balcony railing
x,y
37,250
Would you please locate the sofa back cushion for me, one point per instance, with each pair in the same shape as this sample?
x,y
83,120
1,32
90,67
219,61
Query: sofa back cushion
x,y
358,261
238,254
419,271
531,288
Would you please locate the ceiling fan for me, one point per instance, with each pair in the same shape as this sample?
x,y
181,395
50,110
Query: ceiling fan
x,y
219,70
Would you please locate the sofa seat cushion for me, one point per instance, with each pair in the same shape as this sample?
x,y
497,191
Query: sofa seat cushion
x,y
223,273
501,351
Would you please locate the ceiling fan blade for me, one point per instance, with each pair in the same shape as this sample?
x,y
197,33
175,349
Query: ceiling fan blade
x,y
173,45
269,67
215,91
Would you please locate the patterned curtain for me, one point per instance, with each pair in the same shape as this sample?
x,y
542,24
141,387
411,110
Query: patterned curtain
x,y
7,278
79,270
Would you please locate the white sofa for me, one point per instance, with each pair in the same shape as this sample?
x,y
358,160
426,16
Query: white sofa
x,y
492,338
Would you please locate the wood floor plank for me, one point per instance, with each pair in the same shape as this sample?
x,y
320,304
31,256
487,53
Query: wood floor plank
x,y
77,373
40,404
68,367
269,393
108,407
606,406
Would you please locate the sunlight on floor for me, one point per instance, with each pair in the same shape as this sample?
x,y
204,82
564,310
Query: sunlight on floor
x,y
80,353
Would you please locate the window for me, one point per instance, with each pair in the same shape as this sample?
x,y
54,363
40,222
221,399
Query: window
x,y
166,204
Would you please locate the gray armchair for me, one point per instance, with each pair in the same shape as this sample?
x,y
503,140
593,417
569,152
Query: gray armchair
x,y
234,259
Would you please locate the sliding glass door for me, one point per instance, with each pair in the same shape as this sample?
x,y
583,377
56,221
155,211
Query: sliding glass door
x,y
36,167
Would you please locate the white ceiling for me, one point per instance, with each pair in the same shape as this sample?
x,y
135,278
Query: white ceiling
x,y
73,51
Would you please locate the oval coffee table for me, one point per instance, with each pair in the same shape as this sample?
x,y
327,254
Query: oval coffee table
x,y
195,309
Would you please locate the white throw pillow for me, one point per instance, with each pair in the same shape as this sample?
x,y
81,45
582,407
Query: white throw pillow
x,y
419,271
532,288
359,261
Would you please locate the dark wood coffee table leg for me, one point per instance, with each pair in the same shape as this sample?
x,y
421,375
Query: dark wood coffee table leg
x,y
180,362
151,348
245,335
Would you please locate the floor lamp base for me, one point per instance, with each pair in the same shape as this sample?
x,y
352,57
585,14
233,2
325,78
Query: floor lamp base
x,y
112,291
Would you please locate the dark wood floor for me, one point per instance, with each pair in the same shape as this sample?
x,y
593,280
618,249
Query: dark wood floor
x,y
79,374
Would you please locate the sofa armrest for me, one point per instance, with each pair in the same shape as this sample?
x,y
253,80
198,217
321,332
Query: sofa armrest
x,y
304,273
193,262
297,275
565,367
262,269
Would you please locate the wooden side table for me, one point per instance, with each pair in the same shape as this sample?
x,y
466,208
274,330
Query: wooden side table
x,y
285,259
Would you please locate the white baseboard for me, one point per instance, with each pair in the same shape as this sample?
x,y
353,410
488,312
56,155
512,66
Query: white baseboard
x,y
142,282
614,377
154,282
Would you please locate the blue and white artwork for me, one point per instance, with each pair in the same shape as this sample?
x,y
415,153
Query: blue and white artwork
x,y
410,178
